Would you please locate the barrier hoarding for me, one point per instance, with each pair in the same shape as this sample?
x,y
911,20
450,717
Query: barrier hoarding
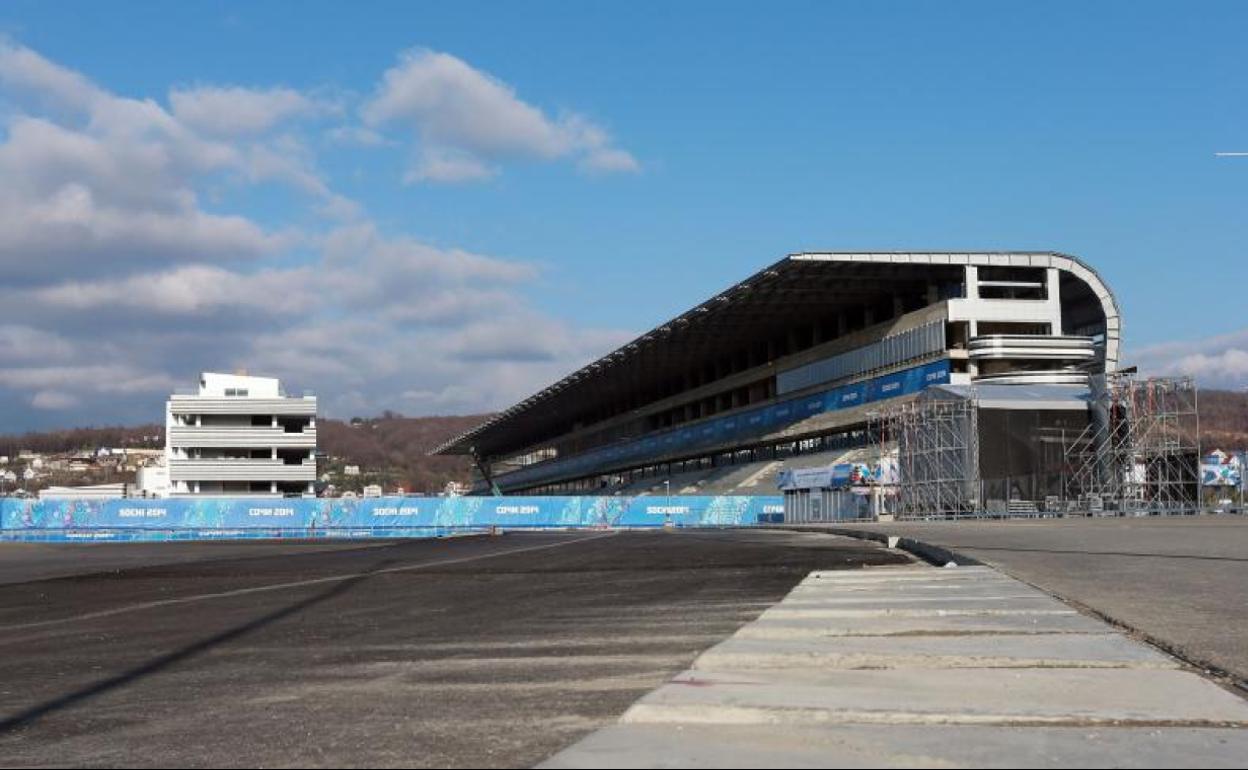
x,y
219,517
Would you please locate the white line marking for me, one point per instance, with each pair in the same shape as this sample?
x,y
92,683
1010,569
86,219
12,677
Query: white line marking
x,y
294,584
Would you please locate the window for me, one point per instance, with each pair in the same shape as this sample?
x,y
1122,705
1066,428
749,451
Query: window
x,y
242,392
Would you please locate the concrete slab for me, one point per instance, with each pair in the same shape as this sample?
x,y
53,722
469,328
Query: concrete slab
x,y
919,610
914,588
1116,566
941,696
918,666
1104,650
825,746
901,599
903,574
929,625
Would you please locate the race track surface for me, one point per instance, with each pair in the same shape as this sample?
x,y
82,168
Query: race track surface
x,y
485,651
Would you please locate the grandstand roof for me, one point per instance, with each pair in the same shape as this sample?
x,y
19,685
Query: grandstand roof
x,y
797,289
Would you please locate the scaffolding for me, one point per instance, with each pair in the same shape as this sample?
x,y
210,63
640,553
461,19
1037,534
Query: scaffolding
x,y
937,458
1140,453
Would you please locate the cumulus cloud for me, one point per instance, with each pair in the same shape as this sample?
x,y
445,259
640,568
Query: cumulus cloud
x,y
466,118
102,184
1215,362
124,272
237,111
447,165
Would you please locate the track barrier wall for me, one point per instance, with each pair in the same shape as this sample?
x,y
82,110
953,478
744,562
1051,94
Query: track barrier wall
x,y
217,518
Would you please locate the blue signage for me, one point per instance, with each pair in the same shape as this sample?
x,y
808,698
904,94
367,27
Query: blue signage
x,y
220,517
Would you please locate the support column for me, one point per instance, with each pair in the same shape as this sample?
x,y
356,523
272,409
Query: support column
x,y
972,282
1053,280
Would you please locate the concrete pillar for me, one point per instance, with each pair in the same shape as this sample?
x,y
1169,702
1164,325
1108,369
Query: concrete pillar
x,y
972,282
1053,280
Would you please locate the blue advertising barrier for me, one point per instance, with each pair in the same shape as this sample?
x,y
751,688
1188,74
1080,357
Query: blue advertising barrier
x,y
229,517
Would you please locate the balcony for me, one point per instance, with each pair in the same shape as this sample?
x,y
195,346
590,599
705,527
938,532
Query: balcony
x,y
205,405
241,436
1037,347
220,469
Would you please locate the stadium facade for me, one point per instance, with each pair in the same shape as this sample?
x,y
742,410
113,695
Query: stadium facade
x,y
796,361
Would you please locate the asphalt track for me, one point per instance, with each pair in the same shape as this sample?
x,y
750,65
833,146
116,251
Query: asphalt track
x,y
481,652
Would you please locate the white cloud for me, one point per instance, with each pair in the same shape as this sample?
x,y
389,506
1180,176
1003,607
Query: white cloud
x,y
22,68
193,290
1215,362
91,378
53,399
237,111
465,118
20,343
356,136
112,188
443,165
127,284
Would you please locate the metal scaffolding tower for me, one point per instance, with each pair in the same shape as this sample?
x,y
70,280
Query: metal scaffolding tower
x,y
1141,451
937,446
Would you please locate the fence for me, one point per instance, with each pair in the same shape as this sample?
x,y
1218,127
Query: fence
x,y
230,517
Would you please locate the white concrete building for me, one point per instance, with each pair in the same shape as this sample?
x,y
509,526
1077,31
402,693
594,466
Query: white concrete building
x,y
152,481
240,435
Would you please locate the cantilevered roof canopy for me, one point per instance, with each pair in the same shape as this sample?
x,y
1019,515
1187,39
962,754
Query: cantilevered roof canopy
x,y
799,289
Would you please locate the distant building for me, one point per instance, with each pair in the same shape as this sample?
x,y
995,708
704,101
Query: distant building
x,y
152,481
240,435
351,470
372,490
88,492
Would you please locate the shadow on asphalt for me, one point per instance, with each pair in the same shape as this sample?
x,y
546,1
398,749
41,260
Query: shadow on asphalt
x,y
34,713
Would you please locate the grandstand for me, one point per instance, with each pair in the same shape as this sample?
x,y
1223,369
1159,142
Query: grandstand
x,y
788,367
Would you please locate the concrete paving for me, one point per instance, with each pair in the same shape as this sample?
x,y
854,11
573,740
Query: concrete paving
x,y
1020,682
827,746
1181,582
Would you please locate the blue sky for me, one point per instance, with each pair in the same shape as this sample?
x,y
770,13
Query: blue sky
x,y
491,194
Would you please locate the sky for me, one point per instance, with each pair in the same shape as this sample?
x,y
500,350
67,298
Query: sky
x,y
439,208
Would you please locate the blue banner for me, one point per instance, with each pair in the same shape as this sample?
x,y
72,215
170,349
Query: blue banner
x,y
371,517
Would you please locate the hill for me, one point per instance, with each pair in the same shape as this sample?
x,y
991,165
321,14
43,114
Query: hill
x,y
1223,419
391,450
